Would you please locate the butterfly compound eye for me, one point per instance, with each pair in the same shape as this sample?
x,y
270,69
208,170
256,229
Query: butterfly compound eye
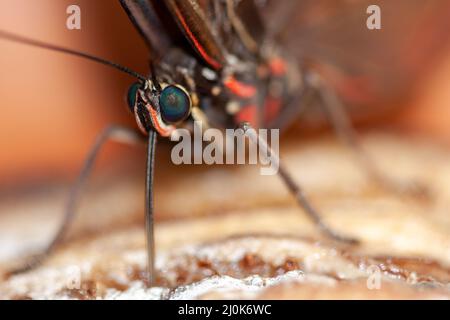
x,y
175,104
132,95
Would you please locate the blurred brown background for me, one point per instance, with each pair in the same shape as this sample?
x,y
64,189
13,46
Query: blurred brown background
x,y
53,105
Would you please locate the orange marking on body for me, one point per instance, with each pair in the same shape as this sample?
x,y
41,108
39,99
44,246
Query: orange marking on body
x,y
210,60
247,114
271,109
239,88
277,66
155,121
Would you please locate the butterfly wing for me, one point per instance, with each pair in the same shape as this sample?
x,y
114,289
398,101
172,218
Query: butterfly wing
x,y
144,16
370,69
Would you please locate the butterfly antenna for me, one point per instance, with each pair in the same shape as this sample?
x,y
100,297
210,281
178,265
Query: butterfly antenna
x,y
35,43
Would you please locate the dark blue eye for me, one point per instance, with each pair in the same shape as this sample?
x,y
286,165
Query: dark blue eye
x,y
132,95
175,104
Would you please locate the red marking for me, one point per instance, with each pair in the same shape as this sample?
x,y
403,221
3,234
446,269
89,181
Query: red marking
x,y
239,88
211,61
277,66
271,109
163,132
247,114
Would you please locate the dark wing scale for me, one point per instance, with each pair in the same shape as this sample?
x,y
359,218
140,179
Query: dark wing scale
x,y
146,20
249,15
191,19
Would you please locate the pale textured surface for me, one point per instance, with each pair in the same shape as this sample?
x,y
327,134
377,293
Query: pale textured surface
x,y
239,234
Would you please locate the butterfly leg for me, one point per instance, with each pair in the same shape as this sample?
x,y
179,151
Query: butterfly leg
x,y
338,118
293,187
116,133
